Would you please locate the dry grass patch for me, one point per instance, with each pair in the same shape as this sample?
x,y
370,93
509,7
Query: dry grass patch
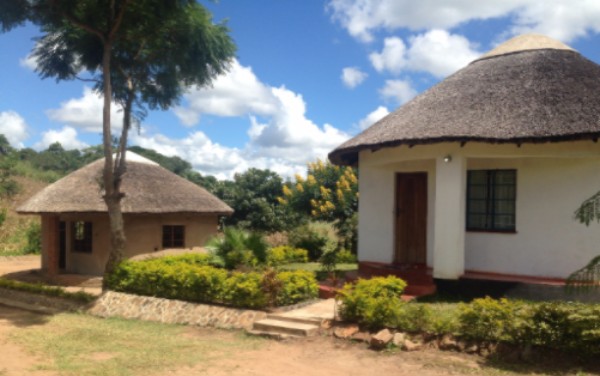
x,y
79,344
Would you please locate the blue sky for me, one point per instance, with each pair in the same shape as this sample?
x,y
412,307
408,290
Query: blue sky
x,y
308,75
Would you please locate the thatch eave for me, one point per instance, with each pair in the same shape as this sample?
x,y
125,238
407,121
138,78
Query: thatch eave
x,y
349,156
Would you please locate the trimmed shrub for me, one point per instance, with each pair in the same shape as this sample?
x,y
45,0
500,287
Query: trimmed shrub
x,y
374,303
286,255
344,256
174,278
244,290
565,326
491,320
296,286
414,317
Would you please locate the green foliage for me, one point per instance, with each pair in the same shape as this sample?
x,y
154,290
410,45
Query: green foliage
x,y
245,290
344,256
329,257
286,254
296,286
490,319
189,277
374,303
38,288
238,248
34,239
565,326
314,237
588,276
329,193
253,194
8,186
3,214
169,279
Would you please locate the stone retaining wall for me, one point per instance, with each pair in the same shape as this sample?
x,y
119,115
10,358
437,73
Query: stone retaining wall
x,y
115,304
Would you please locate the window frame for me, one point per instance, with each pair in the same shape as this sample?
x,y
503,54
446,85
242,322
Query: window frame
x,y
491,199
82,239
171,238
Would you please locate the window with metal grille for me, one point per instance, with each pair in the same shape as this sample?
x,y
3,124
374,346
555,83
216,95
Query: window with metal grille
x,y
82,236
491,198
173,236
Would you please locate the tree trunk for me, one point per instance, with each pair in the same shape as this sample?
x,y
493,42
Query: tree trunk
x,y
112,194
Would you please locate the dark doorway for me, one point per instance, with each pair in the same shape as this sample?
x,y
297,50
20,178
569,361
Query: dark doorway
x,y
62,245
411,218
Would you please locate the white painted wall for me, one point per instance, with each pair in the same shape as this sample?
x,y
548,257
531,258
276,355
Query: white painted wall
x,y
552,180
548,242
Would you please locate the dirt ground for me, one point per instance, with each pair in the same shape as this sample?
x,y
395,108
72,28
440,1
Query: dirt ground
x,y
311,356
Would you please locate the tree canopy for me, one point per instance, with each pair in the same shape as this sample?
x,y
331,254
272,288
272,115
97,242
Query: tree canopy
x,y
136,53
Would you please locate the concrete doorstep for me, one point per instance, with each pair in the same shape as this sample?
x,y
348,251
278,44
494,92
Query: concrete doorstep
x,y
302,322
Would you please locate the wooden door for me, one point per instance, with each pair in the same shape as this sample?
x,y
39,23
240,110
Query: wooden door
x,y
411,218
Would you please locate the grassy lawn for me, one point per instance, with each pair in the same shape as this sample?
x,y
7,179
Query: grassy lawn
x,y
316,268
79,344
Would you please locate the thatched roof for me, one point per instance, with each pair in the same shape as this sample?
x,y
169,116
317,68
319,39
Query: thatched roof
x,y
148,188
530,89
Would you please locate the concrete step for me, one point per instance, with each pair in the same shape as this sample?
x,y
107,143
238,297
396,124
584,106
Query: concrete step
x,y
287,327
301,320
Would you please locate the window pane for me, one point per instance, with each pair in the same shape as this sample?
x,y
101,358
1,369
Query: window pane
x,y
491,200
478,177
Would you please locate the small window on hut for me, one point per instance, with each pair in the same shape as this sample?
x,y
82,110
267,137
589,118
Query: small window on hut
x,y
82,236
173,236
491,197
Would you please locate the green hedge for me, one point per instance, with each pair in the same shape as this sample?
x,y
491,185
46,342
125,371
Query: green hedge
x,y
286,254
564,326
373,303
176,278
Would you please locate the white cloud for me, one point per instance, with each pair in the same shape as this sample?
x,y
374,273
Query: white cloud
x,y
29,62
283,140
211,158
237,93
14,128
86,112
373,117
399,90
66,136
392,58
352,77
561,19
436,52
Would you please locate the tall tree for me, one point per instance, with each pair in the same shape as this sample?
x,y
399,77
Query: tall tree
x,y
136,53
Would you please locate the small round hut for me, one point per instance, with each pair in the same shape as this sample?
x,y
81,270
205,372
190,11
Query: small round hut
x,y
161,210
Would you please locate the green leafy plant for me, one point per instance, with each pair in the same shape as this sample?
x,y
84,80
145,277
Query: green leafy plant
x,y
344,256
34,239
491,320
374,303
182,277
296,286
245,290
285,255
238,248
313,237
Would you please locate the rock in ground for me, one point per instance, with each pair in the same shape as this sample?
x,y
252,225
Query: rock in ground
x,y
381,339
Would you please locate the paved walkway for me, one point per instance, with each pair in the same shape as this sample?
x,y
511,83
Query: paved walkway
x,y
319,311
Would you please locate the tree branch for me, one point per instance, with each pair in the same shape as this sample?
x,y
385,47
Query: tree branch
x,y
80,24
